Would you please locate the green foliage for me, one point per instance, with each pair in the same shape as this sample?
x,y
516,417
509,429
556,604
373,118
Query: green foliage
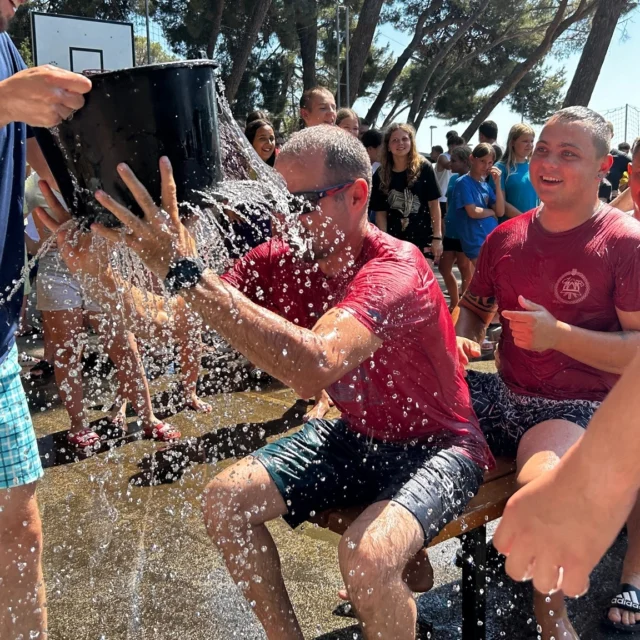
x,y
538,94
504,35
158,53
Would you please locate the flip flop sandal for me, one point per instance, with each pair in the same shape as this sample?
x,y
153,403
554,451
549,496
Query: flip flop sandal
x,y
85,439
627,599
162,432
45,368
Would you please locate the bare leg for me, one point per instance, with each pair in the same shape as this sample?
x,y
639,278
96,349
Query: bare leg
x,y
446,271
540,450
22,596
630,568
237,504
62,329
187,332
373,553
122,348
466,268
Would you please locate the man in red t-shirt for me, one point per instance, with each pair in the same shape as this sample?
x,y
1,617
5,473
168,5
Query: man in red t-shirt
x,y
566,278
361,315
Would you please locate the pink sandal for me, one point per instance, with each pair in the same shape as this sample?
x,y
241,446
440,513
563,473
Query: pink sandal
x,y
85,439
162,432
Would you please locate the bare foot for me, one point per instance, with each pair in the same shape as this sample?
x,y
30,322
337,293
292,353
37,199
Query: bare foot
x,y
320,408
418,575
198,405
624,616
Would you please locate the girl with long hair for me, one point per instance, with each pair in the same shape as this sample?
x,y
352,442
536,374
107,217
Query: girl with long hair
x,y
262,137
520,196
405,192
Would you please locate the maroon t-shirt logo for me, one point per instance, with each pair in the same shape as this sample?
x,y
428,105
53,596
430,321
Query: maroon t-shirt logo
x,y
572,287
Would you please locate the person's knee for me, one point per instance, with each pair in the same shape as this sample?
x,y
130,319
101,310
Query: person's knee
x,y
367,568
542,447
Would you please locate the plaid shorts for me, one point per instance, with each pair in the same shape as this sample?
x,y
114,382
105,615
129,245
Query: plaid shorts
x,y
19,458
506,416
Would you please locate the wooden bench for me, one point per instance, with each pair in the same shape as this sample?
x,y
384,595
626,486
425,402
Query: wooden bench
x,y
499,485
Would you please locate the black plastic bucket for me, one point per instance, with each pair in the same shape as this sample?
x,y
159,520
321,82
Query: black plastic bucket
x,y
136,116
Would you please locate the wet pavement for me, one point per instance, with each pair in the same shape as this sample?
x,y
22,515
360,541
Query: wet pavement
x,y
128,561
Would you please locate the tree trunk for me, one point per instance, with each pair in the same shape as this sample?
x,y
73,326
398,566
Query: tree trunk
x,y
360,46
557,27
242,53
280,103
595,50
307,29
400,63
438,58
218,10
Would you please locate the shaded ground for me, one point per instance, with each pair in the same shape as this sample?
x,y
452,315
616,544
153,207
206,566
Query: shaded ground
x,y
134,562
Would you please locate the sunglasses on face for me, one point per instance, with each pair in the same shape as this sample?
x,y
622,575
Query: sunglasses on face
x,y
307,201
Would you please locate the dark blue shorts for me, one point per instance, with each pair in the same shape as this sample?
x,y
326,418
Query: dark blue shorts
x,y
326,465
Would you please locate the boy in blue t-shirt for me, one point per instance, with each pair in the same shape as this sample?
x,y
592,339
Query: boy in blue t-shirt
x,y
477,205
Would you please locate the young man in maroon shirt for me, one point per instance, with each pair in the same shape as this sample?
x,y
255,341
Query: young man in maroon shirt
x,y
566,279
361,315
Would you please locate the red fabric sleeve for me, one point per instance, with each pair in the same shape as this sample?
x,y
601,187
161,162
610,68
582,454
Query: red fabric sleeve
x,y
250,274
387,297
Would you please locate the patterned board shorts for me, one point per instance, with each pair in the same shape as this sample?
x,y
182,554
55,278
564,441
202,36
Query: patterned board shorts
x,y
506,416
19,458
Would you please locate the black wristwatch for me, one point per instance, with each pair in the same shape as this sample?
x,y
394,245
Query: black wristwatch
x,y
184,274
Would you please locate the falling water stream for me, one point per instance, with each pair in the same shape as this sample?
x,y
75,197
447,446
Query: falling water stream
x,y
252,191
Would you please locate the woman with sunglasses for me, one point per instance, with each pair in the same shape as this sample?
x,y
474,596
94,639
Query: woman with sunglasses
x,y
405,193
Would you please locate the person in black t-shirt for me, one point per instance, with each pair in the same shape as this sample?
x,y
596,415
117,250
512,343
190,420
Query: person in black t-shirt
x,y
405,192
621,160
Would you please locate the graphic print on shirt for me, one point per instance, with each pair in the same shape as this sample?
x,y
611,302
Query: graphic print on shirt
x,y
406,203
572,287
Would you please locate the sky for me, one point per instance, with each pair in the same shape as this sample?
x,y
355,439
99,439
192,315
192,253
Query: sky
x,y
614,89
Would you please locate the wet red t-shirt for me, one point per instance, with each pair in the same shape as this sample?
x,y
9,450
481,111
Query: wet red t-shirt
x,y
413,387
580,276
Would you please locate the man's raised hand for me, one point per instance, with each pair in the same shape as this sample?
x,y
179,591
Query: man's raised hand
x,y
42,96
159,238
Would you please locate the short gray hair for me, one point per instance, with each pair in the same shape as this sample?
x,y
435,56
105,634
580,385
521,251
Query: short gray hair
x,y
635,147
597,125
345,158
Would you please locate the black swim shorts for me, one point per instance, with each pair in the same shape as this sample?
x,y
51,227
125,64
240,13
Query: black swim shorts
x,y
506,416
326,465
452,244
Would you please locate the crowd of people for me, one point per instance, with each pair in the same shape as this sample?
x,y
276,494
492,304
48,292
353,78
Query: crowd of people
x,y
359,320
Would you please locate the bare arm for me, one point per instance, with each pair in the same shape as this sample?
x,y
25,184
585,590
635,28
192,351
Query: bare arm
x,y
436,217
499,206
478,213
511,211
475,316
381,220
39,164
570,515
611,352
305,360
